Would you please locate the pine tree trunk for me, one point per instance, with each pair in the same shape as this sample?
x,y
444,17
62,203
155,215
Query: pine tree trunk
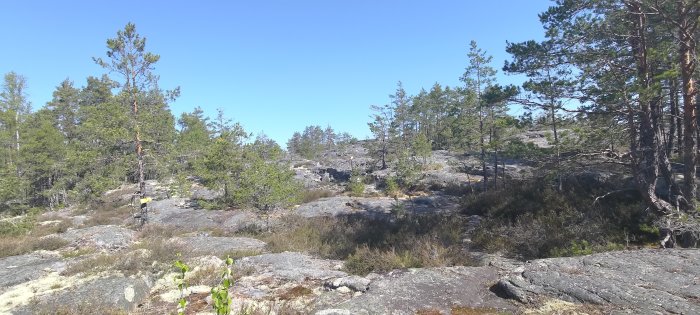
x,y
17,130
553,115
483,150
139,147
687,66
646,152
495,168
673,104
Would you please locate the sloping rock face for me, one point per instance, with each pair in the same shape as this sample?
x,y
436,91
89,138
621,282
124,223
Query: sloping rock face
x,y
19,269
341,205
209,245
377,206
433,289
665,281
293,266
109,293
178,214
108,237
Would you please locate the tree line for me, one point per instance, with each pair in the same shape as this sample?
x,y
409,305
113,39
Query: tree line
x,y
119,129
611,76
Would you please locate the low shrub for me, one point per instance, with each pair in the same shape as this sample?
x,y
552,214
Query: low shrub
x,y
356,186
401,242
315,194
49,243
17,225
366,260
391,187
47,228
534,220
15,245
18,245
580,248
295,292
107,213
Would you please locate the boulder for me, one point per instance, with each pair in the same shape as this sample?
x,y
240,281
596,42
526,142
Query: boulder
x,y
355,283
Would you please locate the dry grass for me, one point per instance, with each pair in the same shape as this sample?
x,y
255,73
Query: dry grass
x,y
87,308
107,213
211,275
295,292
461,310
13,245
425,254
374,244
237,254
464,310
152,255
78,252
154,231
48,227
312,195
98,263
18,245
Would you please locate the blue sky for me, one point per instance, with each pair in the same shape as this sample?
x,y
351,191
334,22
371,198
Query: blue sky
x,y
274,66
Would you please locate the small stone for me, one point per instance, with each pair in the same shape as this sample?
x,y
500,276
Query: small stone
x,y
344,290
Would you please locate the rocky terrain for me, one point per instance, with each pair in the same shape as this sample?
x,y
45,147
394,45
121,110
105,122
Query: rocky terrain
x,y
102,264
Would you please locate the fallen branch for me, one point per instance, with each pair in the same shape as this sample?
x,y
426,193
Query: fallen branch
x,y
597,199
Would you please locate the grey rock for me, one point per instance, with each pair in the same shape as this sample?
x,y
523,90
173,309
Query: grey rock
x,y
334,312
238,220
663,281
109,293
506,289
354,283
201,192
109,237
406,292
377,206
203,245
23,268
293,266
176,213
343,205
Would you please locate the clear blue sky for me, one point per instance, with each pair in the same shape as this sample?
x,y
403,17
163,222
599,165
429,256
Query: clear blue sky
x,y
274,66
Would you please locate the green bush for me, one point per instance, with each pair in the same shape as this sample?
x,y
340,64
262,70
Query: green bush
x,y
391,188
265,185
356,187
407,170
17,226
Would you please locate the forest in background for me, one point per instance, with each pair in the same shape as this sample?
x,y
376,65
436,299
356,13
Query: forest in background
x,y
611,79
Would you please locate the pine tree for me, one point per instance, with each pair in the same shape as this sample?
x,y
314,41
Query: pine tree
x,y
478,76
128,57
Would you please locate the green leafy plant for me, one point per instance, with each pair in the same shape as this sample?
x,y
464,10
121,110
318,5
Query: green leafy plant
x,y
181,285
221,300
